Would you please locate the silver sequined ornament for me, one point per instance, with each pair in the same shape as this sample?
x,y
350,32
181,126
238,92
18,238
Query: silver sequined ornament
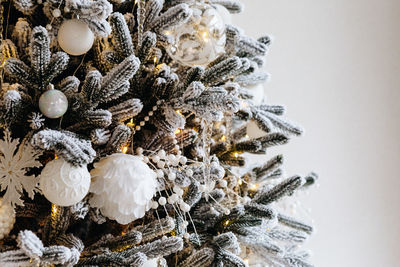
x,y
201,39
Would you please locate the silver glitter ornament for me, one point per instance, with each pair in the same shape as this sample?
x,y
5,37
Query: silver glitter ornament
x,y
201,39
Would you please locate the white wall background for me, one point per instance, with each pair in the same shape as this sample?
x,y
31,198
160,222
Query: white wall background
x,y
336,66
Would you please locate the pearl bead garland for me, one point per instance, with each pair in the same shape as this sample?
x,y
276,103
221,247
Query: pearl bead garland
x,y
142,123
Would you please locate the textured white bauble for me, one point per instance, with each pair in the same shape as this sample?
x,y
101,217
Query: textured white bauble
x,y
224,13
75,37
53,104
258,93
123,187
151,263
253,131
64,184
201,39
7,219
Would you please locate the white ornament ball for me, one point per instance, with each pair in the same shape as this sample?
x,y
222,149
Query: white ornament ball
x,y
224,13
75,37
201,39
151,263
56,13
53,104
258,93
7,219
64,184
253,131
123,187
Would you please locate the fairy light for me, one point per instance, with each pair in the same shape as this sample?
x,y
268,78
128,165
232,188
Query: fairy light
x,y
179,112
223,138
54,212
236,155
253,187
246,261
167,32
123,233
247,136
155,60
227,222
124,149
240,181
205,36
130,123
243,104
55,156
178,131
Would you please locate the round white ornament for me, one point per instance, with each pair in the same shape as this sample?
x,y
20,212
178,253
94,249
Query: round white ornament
x,y
64,184
151,263
224,13
201,39
7,219
53,104
75,37
253,131
258,92
123,187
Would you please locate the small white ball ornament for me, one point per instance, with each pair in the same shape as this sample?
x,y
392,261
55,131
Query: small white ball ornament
x,y
53,104
75,37
64,184
253,131
7,219
151,263
224,13
201,39
123,187
258,93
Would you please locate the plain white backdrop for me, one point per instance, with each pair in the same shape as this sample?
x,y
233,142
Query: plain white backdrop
x,y
336,66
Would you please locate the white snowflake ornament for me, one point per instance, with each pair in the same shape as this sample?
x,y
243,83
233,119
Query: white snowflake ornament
x,y
123,187
15,160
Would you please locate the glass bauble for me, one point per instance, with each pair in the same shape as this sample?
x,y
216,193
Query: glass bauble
x,y
201,39
53,103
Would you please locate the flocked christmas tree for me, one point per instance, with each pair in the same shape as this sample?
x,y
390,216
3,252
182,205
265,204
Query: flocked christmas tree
x,y
125,127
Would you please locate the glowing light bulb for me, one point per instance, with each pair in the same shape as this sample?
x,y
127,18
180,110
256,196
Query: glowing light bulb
x,y
130,123
223,138
236,155
124,149
253,187
178,131
179,112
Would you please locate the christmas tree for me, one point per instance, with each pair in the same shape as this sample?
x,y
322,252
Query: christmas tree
x,y
125,130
